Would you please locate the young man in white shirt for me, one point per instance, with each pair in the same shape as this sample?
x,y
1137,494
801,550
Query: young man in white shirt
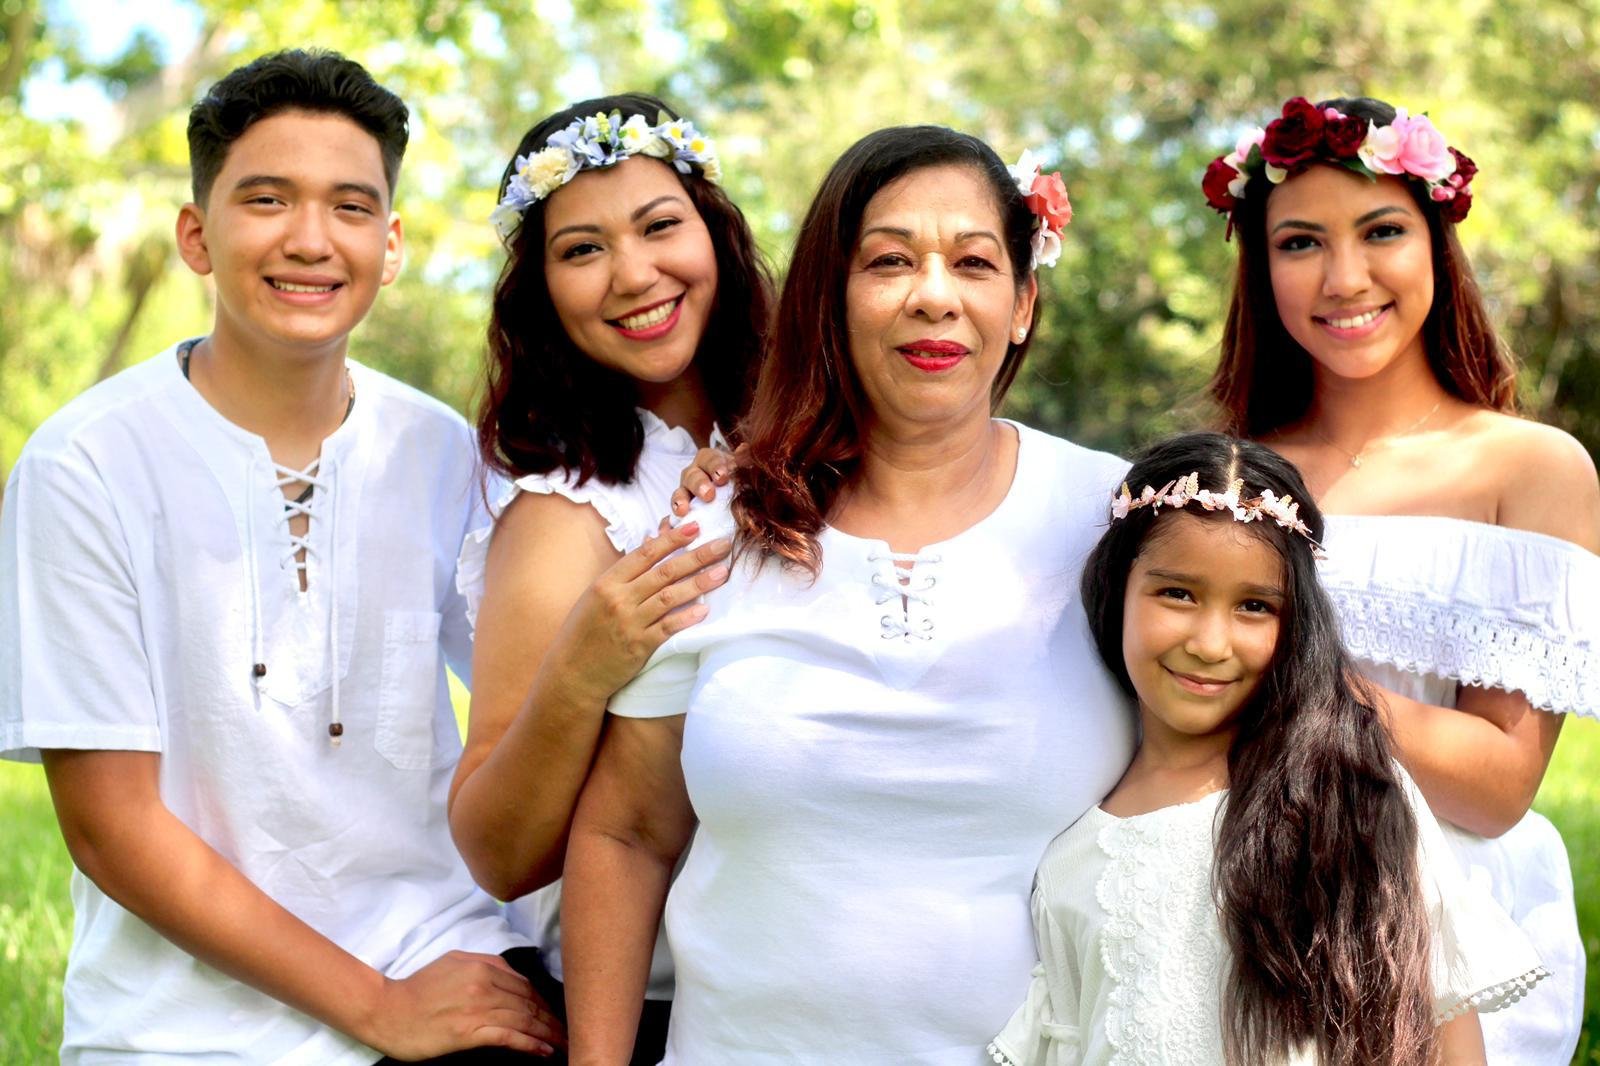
x,y
226,604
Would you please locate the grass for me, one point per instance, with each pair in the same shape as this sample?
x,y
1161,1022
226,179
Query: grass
x,y
36,916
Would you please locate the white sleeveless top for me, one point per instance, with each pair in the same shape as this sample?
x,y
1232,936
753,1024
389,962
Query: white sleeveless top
x,y
1430,603
633,513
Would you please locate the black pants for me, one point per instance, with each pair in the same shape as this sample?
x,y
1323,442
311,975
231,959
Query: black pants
x,y
648,1047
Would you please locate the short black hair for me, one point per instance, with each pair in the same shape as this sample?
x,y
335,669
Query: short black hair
x,y
294,79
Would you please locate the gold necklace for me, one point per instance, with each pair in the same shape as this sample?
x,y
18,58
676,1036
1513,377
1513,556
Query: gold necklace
x,y
1355,457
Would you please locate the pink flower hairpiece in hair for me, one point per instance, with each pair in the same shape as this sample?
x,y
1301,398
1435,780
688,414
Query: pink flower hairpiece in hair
x,y
1046,196
1186,490
1303,134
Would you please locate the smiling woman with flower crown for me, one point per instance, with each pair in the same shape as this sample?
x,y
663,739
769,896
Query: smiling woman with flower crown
x,y
626,326
1461,538
894,703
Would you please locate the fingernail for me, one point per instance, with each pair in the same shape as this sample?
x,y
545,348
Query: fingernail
x,y
721,544
690,529
717,573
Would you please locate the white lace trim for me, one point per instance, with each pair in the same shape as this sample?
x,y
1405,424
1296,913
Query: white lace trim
x,y
1464,644
1495,997
1161,949
997,1055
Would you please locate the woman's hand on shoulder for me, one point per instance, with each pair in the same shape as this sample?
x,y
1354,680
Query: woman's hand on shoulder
x,y
637,603
711,469
1549,482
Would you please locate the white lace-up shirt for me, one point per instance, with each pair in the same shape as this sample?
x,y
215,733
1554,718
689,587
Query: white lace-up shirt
x,y
876,767
146,566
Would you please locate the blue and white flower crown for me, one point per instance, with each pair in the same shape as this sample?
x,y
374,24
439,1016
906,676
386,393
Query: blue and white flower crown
x,y
601,141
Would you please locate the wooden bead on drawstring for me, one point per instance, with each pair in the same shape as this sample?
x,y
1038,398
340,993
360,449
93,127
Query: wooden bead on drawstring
x,y
335,731
259,670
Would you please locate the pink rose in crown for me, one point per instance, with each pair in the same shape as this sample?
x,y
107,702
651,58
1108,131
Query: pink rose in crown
x,y
1293,137
1048,200
1408,146
1216,183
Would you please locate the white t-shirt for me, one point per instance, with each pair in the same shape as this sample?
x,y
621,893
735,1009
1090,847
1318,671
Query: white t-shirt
x,y
145,567
876,770
633,513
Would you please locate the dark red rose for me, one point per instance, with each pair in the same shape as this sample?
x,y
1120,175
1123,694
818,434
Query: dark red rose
x,y
1293,138
1343,136
1456,209
1215,185
1466,170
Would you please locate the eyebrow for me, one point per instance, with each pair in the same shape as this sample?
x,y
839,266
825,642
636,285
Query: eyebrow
x,y
638,213
1295,223
258,181
1262,591
906,235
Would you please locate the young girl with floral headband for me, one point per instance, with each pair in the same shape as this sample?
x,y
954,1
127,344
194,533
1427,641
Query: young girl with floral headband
x,y
1264,885
1461,538
625,330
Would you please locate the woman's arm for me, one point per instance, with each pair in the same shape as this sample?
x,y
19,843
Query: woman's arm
x,y
633,822
1461,1041
125,840
563,624
1479,770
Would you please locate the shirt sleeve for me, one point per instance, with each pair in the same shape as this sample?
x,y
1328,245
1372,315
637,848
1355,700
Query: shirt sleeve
x,y
664,686
73,666
1480,959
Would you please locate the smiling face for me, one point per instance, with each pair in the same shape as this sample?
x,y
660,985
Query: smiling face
x,y
1200,623
631,269
297,235
1352,269
932,301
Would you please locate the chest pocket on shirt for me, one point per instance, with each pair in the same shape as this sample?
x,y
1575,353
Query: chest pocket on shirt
x,y
409,689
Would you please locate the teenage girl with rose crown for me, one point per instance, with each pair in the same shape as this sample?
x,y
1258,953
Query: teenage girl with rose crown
x,y
1264,884
626,328
1461,538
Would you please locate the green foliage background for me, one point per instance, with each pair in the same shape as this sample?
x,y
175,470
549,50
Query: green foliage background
x,y
1130,101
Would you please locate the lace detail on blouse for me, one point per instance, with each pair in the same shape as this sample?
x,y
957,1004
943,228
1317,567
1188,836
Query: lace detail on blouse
x,y
1464,644
1162,949
998,1056
1469,602
1496,997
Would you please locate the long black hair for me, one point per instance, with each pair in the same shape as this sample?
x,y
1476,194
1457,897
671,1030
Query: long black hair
x,y
1315,877
546,404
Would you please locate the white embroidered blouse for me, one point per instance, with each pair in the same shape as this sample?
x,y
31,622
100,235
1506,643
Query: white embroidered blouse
x,y
1133,961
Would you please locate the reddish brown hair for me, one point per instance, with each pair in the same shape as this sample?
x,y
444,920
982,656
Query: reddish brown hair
x,y
1263,379
547,405
805,427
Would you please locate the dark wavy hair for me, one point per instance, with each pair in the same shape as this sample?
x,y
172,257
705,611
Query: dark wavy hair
x,y
547,405
1316,878
297,79
805,426
1263,380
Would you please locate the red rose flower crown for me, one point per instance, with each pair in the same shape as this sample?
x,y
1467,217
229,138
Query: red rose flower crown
x,y
1303,134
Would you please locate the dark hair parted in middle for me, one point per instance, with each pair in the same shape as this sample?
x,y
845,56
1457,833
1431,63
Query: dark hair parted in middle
x,y
547,405
806,424
1264,378
1315,877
